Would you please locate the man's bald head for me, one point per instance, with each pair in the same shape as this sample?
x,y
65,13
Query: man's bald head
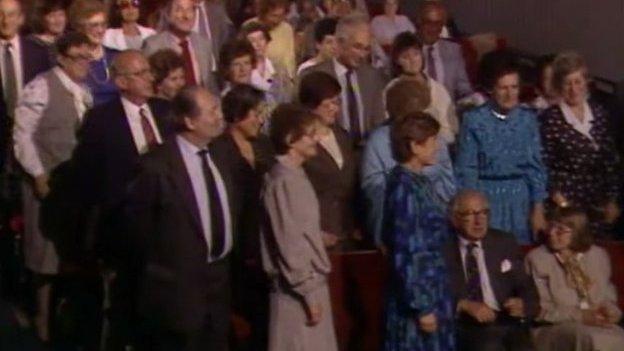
x,y
132,74
431,19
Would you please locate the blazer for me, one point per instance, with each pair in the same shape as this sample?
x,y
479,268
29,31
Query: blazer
x,y
105,162
166,232
371,82
203,54
335,187
498,247
456,79
114,37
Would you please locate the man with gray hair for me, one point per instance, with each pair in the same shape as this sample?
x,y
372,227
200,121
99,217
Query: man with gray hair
x,y
362,85
494,296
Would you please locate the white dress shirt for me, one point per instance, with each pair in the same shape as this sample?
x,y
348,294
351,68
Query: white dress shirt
x,y
134,120
341,73
264,81
16,51
486,288
193,165
437,59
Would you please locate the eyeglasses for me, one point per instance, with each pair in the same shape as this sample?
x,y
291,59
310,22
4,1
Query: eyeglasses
x,y
79,58
141,73
123,4
474,213
560,228
94,25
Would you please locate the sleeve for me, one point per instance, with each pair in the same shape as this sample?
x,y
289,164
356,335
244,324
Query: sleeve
x,y
31,105
610,297
556,176
536,170
463,87
373,183
411,259
467,164
612,161
293,260
549,310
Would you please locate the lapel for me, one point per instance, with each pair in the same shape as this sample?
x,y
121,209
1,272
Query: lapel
x,y
182,182
223,165
202,48
213,23
492,262
120,128
458,278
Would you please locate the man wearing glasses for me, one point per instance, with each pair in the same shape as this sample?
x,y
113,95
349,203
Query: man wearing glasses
x,y
494,296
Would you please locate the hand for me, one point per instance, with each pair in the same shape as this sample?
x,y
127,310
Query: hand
x,y
515,307
329,239
608,314
560,200
594,318
611,212
477,310
41,186
240,326
314,313
538,220
428,323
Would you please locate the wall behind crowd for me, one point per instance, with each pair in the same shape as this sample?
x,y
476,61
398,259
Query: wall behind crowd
x,y
594,28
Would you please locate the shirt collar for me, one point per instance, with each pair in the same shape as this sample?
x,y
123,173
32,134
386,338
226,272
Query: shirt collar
x,y
187,147
14,41
67,81
341,69
132,107
571,119
463,243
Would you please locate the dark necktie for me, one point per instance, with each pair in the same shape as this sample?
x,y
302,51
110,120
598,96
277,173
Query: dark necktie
x,y
354,111
148,131
473,276
10,80
431,67
189,69
217,224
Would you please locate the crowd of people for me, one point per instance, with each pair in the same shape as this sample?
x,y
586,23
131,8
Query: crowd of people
x,y
184,177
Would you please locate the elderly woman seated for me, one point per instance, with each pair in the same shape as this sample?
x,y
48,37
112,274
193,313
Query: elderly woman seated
x,y
577,298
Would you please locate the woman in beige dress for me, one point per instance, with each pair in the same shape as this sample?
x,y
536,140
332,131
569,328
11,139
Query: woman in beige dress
x,y
293,254
577,299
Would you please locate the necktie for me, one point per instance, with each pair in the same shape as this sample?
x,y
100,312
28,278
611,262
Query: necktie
x,y
473,276
217,225
148,131
431,67
10,92
354,111
189,69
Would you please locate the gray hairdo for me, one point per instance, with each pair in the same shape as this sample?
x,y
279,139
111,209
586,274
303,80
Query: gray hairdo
x,y
347,23
462,196
564,64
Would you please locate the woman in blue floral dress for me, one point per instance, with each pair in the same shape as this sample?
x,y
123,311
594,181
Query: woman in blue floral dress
x,y
499,154
419,311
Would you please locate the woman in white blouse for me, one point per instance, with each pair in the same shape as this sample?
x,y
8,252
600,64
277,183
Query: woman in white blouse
x,y
407,62
387,26
124,32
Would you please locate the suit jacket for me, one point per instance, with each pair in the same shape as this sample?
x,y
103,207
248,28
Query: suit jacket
x,y
371,82
105,162
203,50
166,231
335,187
456,79
497,247
221,26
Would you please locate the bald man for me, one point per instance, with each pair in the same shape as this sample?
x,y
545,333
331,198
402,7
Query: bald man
x,y
182,208
112,138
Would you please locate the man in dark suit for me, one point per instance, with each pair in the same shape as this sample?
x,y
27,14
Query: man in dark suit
x,y
183,211
362,85
494,296
112,138
443,58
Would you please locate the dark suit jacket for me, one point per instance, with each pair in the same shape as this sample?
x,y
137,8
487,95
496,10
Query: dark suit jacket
x,y
105,162
372,83
335,187
167,234
497,247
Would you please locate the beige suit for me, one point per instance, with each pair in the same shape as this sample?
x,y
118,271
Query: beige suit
x,y
294,257
560,303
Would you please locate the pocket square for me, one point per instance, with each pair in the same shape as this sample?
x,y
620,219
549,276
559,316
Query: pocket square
x,y
505,266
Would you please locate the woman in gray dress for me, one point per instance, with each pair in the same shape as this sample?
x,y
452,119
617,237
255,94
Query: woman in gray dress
x,y
293,254
578,302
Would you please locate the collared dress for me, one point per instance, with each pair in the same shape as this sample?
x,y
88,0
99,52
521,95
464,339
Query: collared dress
x,y
415,230
501,156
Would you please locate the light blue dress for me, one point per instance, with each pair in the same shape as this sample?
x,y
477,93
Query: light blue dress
x,y
378,161
502,157
415,230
